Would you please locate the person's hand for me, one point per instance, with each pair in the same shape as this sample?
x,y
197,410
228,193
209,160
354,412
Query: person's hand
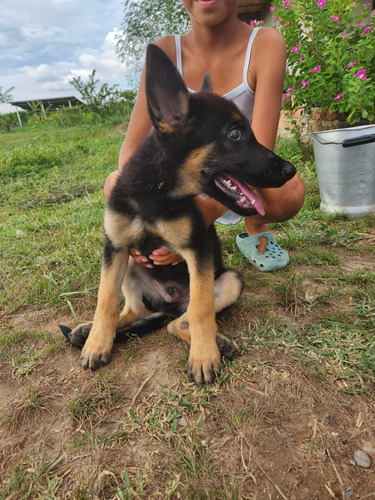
x,y
159,257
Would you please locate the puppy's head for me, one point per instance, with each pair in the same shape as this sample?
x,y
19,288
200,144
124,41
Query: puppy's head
x,y
212,136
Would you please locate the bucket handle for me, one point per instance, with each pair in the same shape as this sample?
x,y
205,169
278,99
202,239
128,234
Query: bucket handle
x,y
358,141
347,143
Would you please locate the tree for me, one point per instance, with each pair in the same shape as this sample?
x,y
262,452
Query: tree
x,y
144,22
6,95
94,97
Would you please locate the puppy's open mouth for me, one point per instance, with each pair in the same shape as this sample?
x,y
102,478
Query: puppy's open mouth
x,y
244,196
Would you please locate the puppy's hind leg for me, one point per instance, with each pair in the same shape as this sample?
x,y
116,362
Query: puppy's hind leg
x,y
228,288
79,334
132,288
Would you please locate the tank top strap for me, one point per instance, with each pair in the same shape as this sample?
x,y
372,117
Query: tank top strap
x,y
177,39
248,55
237,90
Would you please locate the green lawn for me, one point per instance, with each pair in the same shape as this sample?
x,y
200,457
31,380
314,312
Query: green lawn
x,y
306,331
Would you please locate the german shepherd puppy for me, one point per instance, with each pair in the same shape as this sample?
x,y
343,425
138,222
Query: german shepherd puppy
x,y
200,143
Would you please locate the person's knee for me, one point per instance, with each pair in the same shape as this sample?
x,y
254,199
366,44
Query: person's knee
x,y
295,198
286,201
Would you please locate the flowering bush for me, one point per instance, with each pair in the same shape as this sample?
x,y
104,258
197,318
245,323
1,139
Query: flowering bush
x,y
331,55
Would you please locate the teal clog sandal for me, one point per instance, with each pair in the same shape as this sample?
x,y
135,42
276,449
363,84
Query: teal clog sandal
x,y
274,257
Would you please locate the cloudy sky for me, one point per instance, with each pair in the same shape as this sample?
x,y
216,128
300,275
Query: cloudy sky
x,y
44,43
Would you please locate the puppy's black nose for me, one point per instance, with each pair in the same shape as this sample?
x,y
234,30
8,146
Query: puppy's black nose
x,y
289,170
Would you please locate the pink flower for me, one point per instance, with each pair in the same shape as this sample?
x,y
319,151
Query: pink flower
x,y
287,4
360,25
304,84
314,70
295,49
277,19
321,3
289,91
367,5
351,65
361,74
335,18
300,59
339,96
366,30
286,24
272,8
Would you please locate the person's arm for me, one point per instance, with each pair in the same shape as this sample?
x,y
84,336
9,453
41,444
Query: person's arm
x,y
139,126
266,75
267,71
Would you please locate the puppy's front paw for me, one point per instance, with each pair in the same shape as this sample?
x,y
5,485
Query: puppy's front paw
x,y
204,367
79,335
96,353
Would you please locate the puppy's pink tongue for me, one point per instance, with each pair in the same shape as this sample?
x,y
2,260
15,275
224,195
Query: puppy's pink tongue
x,y
250,196
246,197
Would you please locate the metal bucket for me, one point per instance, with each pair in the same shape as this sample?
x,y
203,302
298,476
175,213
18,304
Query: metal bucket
x,y
345,164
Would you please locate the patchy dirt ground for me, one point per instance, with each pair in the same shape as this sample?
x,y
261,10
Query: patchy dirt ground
x,y
273,427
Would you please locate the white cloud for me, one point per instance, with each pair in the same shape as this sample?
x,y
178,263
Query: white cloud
x,y
105,61
44,44
59,2
52,80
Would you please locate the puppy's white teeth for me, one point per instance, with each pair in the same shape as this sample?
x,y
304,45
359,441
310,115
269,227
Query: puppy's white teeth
x,y
231,187
252,202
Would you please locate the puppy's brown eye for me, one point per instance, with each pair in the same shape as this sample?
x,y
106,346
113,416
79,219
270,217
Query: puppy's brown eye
x,y
235,134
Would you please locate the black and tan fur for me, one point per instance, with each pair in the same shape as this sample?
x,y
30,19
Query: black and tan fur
x,y
195,140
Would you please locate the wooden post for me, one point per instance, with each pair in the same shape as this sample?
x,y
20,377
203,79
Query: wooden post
x,y
44,111
19,118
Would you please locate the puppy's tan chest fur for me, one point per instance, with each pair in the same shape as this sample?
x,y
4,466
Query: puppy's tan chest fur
x,y
121,229
124,231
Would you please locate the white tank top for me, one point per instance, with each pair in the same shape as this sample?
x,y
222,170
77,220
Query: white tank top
x,y
243,96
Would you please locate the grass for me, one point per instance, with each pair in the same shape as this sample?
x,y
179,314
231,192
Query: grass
x,y
314,322
29,408
52,206
105,394
39,479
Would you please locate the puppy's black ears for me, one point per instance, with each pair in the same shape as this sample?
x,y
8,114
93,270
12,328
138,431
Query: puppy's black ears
x,y
206,84
167,96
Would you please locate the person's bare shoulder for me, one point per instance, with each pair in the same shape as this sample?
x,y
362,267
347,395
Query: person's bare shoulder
x,y
168,44
270,41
